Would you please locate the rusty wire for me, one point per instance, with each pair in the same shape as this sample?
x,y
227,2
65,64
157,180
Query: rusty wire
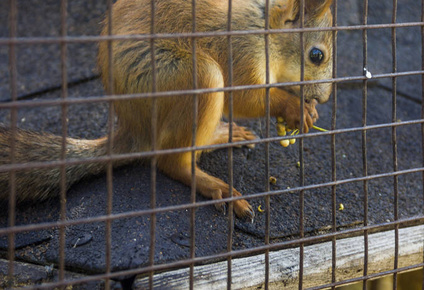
x,y
13,22
13,41
333,153
364,140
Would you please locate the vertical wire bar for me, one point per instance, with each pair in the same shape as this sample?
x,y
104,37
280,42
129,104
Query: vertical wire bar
x,y
109,169
394,143
302,172
64,95
364,140
422,117
193,143
153,162
230,149
13,23
267,129
333,148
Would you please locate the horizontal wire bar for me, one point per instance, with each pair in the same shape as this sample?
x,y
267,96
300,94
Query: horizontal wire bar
x,y
86,39
146,154
131,214
107,98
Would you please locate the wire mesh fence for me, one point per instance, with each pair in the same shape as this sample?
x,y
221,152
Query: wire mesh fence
x,y
170,71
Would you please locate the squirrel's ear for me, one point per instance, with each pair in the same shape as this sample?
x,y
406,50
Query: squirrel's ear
x,y
317,7
281,12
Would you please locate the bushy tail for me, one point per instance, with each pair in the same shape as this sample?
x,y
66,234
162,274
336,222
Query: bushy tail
x,y
40,183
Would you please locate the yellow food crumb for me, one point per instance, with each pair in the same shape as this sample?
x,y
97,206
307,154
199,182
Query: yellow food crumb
x,y
272,180
260,209
281,130
341,206
285,143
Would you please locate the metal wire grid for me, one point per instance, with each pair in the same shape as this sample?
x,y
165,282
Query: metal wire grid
x,y
12,41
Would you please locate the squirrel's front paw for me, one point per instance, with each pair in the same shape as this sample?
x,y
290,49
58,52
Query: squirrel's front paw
x,y
291,114
312,111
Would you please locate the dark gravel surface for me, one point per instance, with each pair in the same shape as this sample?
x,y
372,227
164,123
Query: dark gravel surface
x,y
39,69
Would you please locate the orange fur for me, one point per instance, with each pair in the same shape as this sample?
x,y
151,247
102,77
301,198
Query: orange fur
x,y
132,74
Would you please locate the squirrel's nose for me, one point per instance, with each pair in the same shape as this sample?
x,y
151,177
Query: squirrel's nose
x,y
318,98
312,99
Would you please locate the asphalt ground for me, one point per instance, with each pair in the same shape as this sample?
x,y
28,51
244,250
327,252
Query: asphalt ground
x,y
39,77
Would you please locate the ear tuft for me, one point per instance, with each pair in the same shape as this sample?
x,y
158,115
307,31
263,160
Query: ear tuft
x,y
281,11
317,7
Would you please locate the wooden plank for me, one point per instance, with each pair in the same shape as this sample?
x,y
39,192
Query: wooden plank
x,y
249,272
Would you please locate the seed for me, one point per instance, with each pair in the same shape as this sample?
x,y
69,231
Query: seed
x,y
285,143
341,206
281,130
272,180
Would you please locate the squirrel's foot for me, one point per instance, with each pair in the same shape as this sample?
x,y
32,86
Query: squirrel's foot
x,y
241,207
291,114
244,210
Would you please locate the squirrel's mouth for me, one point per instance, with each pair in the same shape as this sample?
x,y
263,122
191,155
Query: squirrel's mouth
x,y
309,93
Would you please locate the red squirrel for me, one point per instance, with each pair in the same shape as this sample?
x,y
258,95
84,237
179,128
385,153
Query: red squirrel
x,y
132,74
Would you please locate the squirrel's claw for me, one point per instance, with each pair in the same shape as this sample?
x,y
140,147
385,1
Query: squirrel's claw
x,y
248,215
222,208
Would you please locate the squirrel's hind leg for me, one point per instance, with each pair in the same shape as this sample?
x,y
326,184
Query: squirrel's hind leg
x,y
176,132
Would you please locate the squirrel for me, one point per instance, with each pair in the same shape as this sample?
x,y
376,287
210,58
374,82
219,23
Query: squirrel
x,y
132,74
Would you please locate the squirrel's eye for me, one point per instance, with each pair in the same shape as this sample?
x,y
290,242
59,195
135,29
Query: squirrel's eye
x,y
316,55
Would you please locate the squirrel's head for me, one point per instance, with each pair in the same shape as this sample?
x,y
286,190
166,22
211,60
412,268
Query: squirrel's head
x,y
317,45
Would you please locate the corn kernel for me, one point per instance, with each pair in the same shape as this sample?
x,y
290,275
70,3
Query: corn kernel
x,y
281,130
292,141
341,206
260,209
285,143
